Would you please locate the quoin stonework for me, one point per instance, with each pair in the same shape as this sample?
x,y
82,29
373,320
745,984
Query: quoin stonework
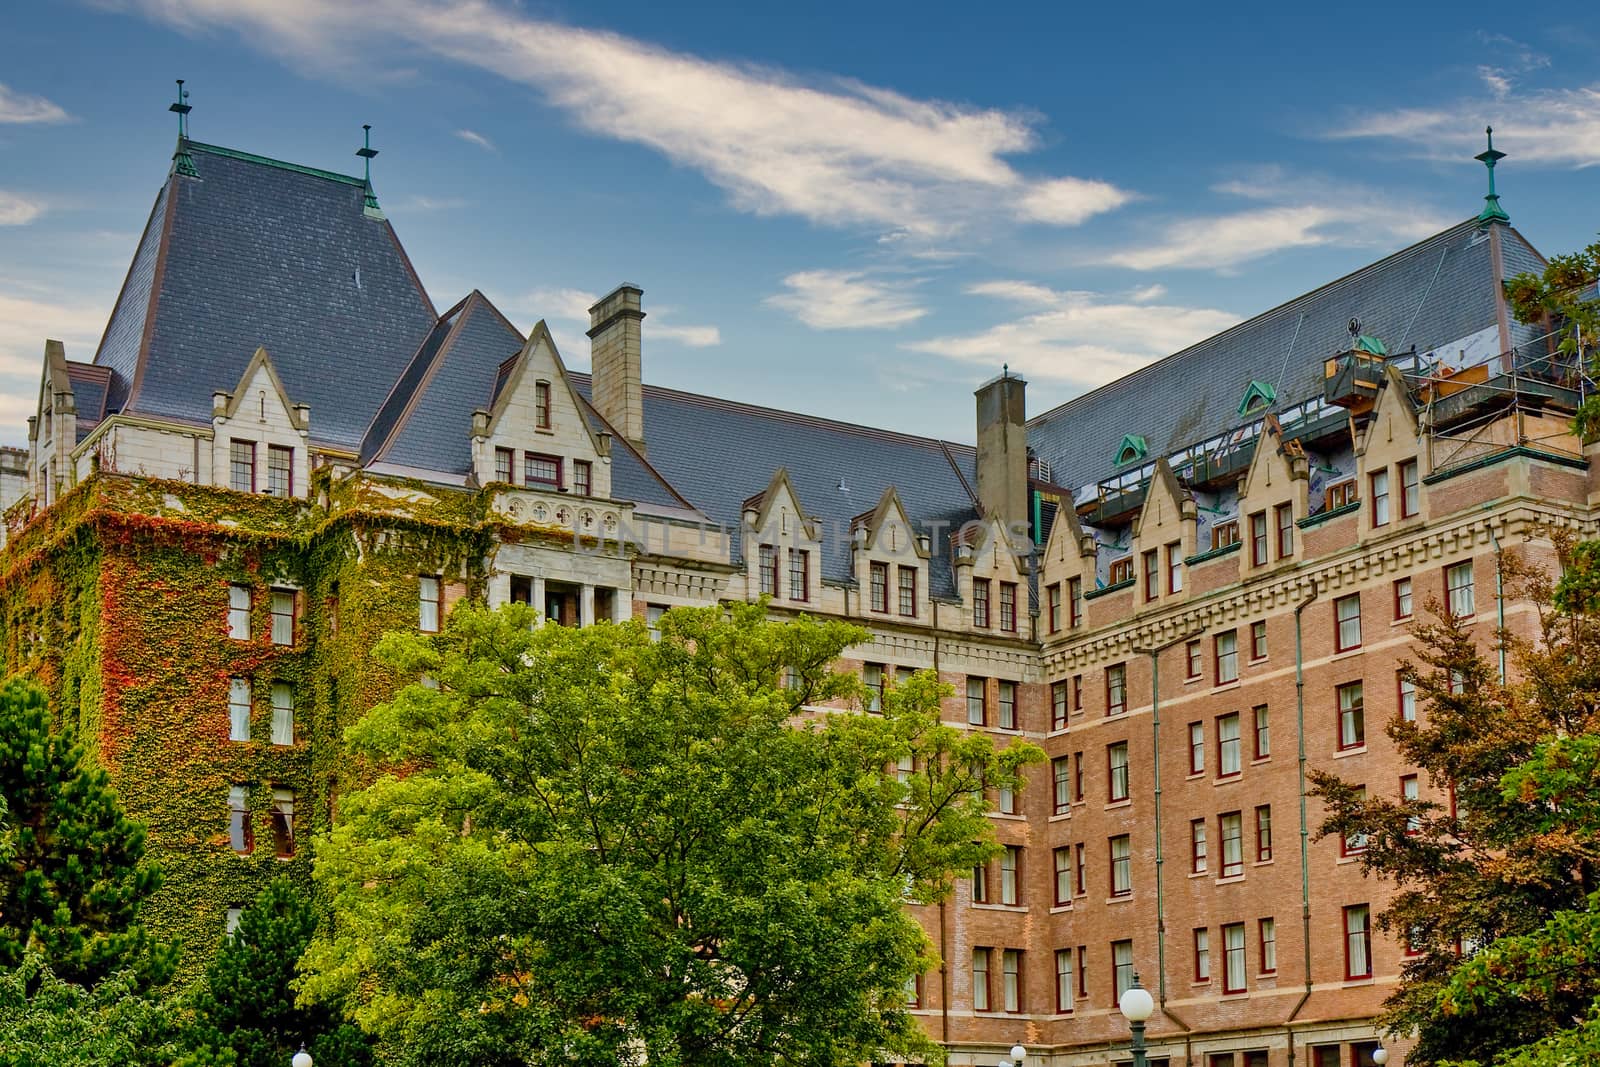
x,y
1189,586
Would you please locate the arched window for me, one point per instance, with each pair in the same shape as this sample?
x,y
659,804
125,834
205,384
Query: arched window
x,y
1258,396
1132,450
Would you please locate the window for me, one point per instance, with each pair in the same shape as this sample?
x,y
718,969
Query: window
x,y
1175,567
1352,718
1263,733
1074,602
978,701
1458,586
1263,833
428,604
1258,639
1411,795
1197,748
1283,515
1121,866
504,460
1122,966
283,616
1226,654
767,570
241,836
1258,539
1458,682
1061,783
282,714
1063,864
1006,803
1010,862
1229,762
1410,490
242,466
283,823
1011,969
904,767
1193,660
1378,491
1225,533
980,883
1402,598
1268,931
1063,980
231,922
1053,607
1202,954
872,675
908,591
1008,705
1199,855
1008,607
880,586
1152,575
239,612
280,470
914,991
1353,844
1121,570
799,574
980,603
1230,828
1340,493
1347,622
1233,958
1116,689
238,709
1077,693
1080,866
1117,771
1059,708
1077,776
1408,699
980,979
1357,943
583,477
541,405
541,470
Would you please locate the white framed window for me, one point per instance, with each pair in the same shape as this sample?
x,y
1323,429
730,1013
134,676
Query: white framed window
x,y
282,713
1010,864
239,612
980,979
1458,586
283,823
428,604
283,616
240,836
1011,968
238,709
1347,617
1063,980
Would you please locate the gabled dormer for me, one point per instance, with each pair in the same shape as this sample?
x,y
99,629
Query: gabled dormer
x,y
535,433
260,434
782,546
52,431
890,562
1066,572
1390,459
1273,496
1163,537
992,578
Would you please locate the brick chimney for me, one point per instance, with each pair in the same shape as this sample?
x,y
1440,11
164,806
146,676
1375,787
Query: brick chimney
x,y
614,353
1003,450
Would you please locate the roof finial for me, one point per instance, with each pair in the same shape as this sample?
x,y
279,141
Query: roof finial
x,y
1005,370
182,162
366,152
1492,211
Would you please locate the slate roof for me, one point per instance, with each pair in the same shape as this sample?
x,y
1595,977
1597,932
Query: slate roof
x,y
89,387
1435,292
254,252
717,453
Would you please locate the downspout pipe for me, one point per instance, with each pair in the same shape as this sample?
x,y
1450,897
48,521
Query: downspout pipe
x,y
1499,602
1305,832
944,904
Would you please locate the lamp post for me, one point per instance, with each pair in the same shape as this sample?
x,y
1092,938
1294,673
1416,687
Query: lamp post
x,y
1018,1058
301,1058
1136,1006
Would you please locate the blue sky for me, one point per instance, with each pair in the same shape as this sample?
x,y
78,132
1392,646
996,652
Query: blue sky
x,y
853,210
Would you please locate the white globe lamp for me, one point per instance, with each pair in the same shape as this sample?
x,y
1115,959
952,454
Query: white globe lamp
x,y
1018,1055
301,1058
1380,1056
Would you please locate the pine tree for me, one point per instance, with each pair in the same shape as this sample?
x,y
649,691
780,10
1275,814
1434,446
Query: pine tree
x,y
75,875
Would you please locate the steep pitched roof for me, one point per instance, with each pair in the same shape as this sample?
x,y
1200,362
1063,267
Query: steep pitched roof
x,y
1431,294
718,452
251,253
89,387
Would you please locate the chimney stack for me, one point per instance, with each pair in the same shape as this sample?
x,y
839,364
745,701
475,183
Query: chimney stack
x,y
614,356
1003,450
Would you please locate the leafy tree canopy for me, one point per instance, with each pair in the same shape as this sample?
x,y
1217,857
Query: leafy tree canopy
x,y
612,850
47,1022
1563,296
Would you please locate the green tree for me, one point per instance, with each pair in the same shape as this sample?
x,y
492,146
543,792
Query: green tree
x,y
245,1003
612,850
75,874
1562,297
47,1022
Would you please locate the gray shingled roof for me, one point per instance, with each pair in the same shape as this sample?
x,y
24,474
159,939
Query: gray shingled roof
x,y
89,387
255,252
718,453
1435,292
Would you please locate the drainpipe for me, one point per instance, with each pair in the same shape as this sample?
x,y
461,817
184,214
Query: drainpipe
x,y
1305,833
1499,601
944,905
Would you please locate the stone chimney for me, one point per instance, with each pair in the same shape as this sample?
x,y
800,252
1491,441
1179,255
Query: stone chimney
x,y
1003,450
614,353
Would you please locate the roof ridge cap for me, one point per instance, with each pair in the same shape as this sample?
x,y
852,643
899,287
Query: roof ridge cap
x,y
298,168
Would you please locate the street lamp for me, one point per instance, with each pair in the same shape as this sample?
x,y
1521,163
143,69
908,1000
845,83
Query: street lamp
x,y
301,1058
1136,1006
1380,1056
1019,1055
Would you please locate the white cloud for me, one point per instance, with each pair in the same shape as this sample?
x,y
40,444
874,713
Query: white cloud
x,y
18,107
572,306
845,300
18,210
1539,127
28,315
831,151
1083,339
417,202
688,336
476,138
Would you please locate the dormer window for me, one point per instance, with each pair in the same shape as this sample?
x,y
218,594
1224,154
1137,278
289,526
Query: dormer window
x,y
504,460
880,586
541,405
1132,450
1258,396
242,466
539,470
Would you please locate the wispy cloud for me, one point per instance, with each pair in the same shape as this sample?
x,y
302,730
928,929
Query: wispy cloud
x,y
18,210
18,107
474,137
1083,339
418,202
28,315
832,151
846,300
572,306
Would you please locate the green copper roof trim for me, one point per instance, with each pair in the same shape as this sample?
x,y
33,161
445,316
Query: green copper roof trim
x,y
1213,553
1257,395
1328,513
1515,452
182,161
1126,583
1132,449
1492,211
251,157
1371,345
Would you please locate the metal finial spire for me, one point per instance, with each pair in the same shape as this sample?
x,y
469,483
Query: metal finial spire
x,y
366,152
182,162
1492,211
